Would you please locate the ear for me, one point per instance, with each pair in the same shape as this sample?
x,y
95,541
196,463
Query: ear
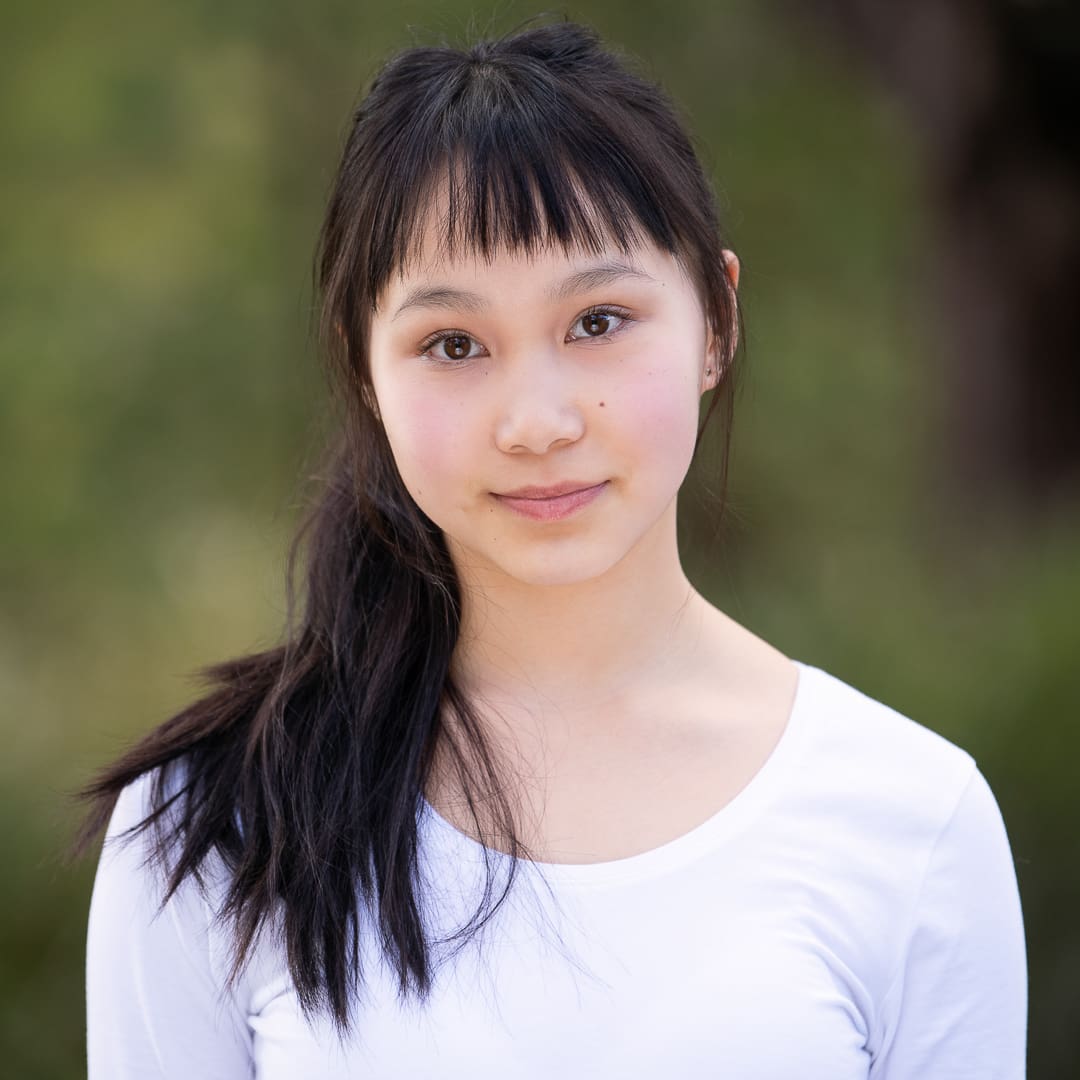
x,y
710,371
715,360
731,266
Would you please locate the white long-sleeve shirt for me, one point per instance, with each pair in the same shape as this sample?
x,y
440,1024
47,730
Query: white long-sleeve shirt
x,y
852,913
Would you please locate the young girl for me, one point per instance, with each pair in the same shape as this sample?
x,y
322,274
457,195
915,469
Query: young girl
x,y
513,799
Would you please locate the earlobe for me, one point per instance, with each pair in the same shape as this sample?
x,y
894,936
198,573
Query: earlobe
x,y
718,359
710,376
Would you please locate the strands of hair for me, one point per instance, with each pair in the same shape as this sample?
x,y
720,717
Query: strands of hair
x,y
302,769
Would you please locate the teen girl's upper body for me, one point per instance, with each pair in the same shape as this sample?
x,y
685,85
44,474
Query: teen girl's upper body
x,y
513,799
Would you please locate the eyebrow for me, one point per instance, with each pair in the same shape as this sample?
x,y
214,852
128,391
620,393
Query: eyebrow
x,y
591,277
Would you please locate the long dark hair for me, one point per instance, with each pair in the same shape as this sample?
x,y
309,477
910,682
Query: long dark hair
x,y
303,767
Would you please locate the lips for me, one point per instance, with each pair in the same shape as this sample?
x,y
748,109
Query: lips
x,y
552,492
553,503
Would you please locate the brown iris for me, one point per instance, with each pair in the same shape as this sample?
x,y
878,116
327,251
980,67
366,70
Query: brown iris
x,y
596,323
457,346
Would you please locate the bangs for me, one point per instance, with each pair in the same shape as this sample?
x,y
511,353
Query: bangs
x,y
469,207
498,158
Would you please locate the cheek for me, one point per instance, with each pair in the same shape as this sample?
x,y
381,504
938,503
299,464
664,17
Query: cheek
x,y
661,412
426,434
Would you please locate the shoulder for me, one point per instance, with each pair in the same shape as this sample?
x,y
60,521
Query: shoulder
x,y
137,851
143,843
872,780
877,786
133,910
158,994
136,802
157,792
875,754
894,828
906,836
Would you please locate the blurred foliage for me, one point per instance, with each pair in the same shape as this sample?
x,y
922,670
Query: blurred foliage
x,y
162,172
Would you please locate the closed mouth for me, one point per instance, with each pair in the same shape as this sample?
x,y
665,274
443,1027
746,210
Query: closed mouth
x,y
553,492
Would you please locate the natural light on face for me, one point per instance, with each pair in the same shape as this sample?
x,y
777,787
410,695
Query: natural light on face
x,y
538,370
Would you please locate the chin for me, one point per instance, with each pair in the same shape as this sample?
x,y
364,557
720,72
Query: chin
x,y
555,576
568,567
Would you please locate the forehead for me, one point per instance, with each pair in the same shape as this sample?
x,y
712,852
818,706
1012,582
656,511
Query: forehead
x,y
461,227
549,261
441,255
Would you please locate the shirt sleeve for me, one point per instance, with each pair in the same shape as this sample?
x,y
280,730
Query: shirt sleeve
x,y
957,1007
155,1006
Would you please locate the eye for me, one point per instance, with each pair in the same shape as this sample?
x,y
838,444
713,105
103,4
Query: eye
x,y
599,322
450,347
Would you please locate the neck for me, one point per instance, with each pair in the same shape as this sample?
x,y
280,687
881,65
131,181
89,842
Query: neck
x,y
582,645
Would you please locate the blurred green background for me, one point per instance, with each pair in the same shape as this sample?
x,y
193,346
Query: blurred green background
x,y
163,169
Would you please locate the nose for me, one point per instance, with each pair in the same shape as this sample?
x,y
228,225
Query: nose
x,y
538,410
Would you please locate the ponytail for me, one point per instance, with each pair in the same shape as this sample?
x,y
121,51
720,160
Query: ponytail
x,y
304,767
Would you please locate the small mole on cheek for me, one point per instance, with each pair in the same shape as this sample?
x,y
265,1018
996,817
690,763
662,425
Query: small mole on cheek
x,y
601,404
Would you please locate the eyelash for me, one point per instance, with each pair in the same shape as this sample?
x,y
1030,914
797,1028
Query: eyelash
x,y
430,343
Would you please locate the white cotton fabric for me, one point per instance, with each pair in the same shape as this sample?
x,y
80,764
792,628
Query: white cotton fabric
x,y
853,913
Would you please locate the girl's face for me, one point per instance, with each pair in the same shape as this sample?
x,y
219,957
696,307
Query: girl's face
x,y
552,370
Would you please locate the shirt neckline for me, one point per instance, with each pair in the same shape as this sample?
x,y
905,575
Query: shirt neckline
x,y
715,830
